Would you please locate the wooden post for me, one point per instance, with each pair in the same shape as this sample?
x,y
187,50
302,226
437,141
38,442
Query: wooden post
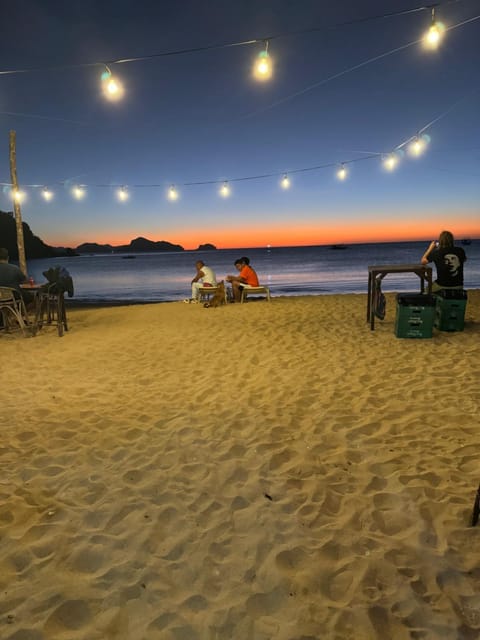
x,y
16,205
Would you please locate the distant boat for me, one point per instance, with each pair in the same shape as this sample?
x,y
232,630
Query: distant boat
x,y
466,241
338,246
128,257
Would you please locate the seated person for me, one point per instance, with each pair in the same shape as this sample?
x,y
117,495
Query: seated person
x,y
205,277
10,275
246,277
448,261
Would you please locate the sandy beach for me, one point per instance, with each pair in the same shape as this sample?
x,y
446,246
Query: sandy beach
x,y
265,471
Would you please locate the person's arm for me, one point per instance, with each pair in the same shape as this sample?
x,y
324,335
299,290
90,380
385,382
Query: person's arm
x,y
198,275
431,246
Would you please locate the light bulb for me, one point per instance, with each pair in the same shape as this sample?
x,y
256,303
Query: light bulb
x,y
285,182
390,162
263,67
122,194
78,192
47,194
172,193
18,196
111,86
225,190
342,173
417,147
433,36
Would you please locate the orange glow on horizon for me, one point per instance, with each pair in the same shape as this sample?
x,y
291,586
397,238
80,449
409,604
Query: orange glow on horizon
x,y
301,234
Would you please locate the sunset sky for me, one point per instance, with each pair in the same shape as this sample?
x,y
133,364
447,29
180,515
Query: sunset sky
x,y
339,93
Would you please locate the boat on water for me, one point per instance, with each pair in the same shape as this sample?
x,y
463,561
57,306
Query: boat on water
x,y
128,257
466,241
338,246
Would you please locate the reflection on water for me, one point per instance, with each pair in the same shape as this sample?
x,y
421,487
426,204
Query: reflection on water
x,y
287,270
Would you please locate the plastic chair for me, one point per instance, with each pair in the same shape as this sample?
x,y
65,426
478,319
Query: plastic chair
x,y
248,291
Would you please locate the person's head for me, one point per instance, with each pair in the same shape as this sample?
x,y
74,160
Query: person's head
x,y
245,260
199,264
445,239
3,254
239,264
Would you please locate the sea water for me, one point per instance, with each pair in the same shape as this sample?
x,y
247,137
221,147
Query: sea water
x,y
292,271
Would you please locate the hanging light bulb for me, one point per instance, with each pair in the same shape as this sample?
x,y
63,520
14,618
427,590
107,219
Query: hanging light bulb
x,y
342,172
18,196
225,190
47,194
111,86
417,146
122,194
433,36
78,192
263,67
390,161
285,182
172,193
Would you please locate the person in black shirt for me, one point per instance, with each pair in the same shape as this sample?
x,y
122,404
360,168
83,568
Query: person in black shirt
x,y
448,261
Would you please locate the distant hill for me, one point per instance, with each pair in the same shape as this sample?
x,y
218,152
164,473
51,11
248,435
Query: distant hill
x,y
34,246
139,245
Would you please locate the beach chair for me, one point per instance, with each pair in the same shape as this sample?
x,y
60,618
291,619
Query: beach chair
x,y
207,292
12,304
254,291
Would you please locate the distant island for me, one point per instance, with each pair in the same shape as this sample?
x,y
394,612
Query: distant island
x,y
36,248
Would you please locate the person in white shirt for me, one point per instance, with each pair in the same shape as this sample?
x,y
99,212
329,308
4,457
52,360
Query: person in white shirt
x,y
205,277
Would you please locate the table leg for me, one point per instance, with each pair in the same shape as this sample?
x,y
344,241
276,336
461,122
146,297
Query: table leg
x,y
368,294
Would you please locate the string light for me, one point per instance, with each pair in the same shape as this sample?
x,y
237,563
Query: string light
x,y
225,190
263,67
417,146
390,161
285,182
112,87
342,172
122,194
78,192
18,196
47,194
172,193
434,35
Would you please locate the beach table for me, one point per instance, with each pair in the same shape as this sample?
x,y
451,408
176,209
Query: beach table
x,y
376,274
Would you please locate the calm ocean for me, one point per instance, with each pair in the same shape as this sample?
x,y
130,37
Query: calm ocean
x,y
287,270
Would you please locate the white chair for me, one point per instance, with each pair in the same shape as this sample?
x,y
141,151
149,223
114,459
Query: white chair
x,y
254,291
206,292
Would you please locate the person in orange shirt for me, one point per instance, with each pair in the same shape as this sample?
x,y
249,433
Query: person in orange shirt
x,y
246,277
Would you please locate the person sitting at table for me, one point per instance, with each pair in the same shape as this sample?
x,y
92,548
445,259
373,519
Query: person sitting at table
x,y
247,276
205,277
10,275
448,261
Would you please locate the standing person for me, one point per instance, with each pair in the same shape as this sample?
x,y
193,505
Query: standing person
x,y
448,261
246,277
205,277
10,275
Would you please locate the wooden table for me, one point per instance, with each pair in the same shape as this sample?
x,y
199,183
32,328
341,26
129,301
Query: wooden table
x,y
378,272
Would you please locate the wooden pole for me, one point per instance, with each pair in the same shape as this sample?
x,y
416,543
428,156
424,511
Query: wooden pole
x,y
16,205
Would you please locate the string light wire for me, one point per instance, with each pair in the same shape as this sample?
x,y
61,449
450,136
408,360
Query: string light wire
x,y
242,43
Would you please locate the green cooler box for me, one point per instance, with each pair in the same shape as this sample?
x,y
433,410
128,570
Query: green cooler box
x,y
450,309
415,315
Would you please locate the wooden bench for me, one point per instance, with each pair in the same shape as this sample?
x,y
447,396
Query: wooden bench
x,y
255,291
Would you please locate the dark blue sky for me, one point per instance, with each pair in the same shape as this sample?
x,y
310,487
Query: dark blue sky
x,y
200,117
